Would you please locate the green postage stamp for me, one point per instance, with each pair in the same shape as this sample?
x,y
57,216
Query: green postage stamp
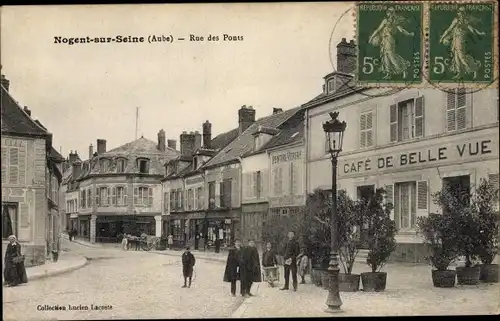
x,y
462,46
390,43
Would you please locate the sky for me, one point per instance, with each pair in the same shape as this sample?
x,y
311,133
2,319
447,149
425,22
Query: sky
x,y
85,92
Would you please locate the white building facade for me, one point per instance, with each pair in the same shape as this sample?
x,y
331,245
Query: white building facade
x,y
409,142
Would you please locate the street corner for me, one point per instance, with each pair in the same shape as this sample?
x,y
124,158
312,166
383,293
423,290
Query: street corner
x,y
51,269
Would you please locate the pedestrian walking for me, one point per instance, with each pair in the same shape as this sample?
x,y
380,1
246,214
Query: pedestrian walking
x,y
125,242
188,262
14,271
269,262
302,265
291,252
170,241
74,232
250,268
232,273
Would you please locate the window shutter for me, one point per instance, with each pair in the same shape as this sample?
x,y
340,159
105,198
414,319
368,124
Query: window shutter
x,y
450,111
422,195
369,129
419,117
150,192
4,164
113,200
254,184
493,179
125,195
110,195
14,166
461,105
98,196
292,178
389,197
362,128
221,191
136,195
393,120
275,181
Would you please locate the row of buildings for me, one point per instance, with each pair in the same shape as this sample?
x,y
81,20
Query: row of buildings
x,y
409,141
31,177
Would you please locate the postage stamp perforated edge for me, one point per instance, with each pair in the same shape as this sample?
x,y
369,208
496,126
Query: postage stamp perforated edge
x,y
383,83
495,56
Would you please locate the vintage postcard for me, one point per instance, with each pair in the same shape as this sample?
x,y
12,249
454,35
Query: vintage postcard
x,y
180,161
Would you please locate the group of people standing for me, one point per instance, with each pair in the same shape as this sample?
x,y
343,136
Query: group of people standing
x,y
243,264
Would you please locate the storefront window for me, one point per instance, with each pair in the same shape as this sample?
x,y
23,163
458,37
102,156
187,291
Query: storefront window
x,y
178,230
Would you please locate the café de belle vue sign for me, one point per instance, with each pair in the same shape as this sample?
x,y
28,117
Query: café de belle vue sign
x,y
424,157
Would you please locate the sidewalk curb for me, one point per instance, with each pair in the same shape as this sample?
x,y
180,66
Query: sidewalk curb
x,y
84,261
244,306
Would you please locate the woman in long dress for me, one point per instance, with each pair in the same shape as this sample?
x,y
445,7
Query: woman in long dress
x,y
14,272
384,36
302,264
455,36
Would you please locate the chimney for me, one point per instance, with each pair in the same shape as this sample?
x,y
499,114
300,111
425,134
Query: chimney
x,y
246,117
187,143
73,157
77,169
91,151
27,111
172,143
207,134
277,110
101,146
346,56
161,140
5,83
197,141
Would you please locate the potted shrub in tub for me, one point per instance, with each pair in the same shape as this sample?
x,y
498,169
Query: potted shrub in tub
x,y
381,234
457,203
349,213
438,233
486,197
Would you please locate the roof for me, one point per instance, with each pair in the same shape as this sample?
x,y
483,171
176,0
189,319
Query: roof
x,y
137,149
243,144
289,135
15,120
222,140
54,154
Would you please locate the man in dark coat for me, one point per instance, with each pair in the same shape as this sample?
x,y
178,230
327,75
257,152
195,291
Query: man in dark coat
x,y
250,268
292,249
15,272
232,273
188,262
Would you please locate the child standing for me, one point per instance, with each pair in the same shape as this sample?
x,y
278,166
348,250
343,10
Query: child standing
x,y
188,262
302,264
125,242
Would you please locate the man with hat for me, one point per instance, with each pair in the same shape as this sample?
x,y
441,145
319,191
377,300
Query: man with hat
x,y
188,262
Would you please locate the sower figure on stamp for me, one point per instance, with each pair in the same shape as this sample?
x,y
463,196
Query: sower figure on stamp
x,y
291,251
232,273
188,262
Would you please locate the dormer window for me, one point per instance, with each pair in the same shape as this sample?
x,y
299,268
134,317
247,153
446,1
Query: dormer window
x,y
195,162
331,85
256,142
143,165
121,164
104,164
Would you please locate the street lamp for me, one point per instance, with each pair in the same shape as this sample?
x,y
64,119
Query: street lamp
x,y
334,132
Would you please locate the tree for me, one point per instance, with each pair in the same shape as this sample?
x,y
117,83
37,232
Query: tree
x,y
484,201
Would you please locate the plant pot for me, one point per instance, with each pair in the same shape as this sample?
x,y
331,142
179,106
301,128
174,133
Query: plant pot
x,y
443,279
55,256
325,280
374,281
489,273
348,282
468,275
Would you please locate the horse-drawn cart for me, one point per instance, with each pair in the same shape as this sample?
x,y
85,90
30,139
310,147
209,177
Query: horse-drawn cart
x,y
144,242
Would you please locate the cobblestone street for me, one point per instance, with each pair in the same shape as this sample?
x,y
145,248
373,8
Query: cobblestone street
x,y
134,284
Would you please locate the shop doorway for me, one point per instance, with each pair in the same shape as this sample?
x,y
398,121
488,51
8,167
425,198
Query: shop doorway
x,y
364,192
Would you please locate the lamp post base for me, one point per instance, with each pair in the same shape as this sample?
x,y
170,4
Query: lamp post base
x,y
333,310
333,301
